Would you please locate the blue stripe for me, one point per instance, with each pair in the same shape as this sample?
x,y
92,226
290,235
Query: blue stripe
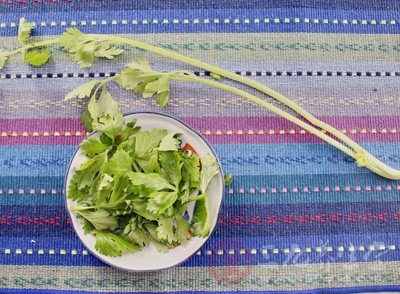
x,y
221,27
270,190
327,251
298,159
235,220
237,159
269,250
36,199
35,160
27,182
241,186
305,219
204,4
38,242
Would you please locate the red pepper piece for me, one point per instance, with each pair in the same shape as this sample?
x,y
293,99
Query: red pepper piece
x,y
189,147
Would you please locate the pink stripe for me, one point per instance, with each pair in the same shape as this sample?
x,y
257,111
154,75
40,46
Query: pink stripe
x,y
217,130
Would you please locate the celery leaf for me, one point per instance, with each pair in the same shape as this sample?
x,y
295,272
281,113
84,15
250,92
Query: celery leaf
x,y
132,79
84,54
105,105
83,91
110,126
146,141
71,38
107,51
135,231
209,169
201,218
160,201
92,147
89,170
120,163
113,244
161,87
140,64
74,192
100,219
24,30
149,183
182,229
3,58
170,142
171,166
161,245
37,57
165,229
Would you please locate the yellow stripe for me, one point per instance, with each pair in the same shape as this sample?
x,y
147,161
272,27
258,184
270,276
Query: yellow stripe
x,y
265,277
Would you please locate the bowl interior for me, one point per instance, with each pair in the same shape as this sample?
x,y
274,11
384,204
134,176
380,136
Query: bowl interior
x,y
149,259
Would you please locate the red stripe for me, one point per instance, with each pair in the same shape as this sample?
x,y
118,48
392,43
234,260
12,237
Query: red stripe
x,y
226,221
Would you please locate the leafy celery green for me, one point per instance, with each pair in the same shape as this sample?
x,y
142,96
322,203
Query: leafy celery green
x,y
37,57
3,57
127,206
209,169
107,51
113,244
82,91
140,78
90,169
24,30
100,219
171,166
201,219
92,147
84,50
103,106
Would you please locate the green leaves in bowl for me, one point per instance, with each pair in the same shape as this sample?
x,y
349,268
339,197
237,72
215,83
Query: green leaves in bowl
x,y
138,187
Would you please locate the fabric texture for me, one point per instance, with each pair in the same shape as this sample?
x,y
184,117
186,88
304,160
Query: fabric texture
x,y
300,216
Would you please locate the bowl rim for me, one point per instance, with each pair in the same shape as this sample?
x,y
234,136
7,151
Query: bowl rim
x,y
70,213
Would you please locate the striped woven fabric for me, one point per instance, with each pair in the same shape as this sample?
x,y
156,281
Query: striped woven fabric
x,y
299,215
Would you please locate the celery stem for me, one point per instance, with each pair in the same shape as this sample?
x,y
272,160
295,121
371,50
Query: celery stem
x,y
235,77
198,197
272,108
371,162
33,45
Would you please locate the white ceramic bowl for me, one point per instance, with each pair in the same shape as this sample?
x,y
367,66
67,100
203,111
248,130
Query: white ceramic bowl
x,y
149,259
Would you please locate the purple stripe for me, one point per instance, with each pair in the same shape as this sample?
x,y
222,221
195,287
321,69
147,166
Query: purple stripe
x,y
49,131
40,125
218,130
359,128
